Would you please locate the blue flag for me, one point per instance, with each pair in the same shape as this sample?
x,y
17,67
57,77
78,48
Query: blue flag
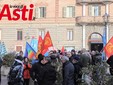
x,y
34,44
104,37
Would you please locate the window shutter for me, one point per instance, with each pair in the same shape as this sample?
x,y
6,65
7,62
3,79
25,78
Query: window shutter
x,y
90,10
99,10
44,11
73,14
64,12
36,12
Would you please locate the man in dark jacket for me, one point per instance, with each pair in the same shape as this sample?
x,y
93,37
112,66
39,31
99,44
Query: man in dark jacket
x,y
68,71
110,62
36,70
48,73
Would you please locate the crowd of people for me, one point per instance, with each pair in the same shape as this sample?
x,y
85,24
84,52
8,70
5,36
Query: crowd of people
x,y
58,68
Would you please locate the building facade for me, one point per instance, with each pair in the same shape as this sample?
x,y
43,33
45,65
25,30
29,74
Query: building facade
x,y
74,24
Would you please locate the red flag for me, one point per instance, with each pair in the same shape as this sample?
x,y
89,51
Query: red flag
x,y
109,48
62,50
39,46
47,42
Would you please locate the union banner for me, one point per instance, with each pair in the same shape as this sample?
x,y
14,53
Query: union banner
x,y
109,48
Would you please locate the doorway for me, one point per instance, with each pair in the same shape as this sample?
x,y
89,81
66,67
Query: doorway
x,y
96,46
95,42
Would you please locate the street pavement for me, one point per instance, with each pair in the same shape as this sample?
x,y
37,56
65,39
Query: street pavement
x,y
4,81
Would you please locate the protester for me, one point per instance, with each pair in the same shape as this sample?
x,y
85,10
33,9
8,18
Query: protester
x,y
68,71
1,61
69,55
21,53
73,52
36,70
77,72
26,72
85,58
15,76
48,73
56,62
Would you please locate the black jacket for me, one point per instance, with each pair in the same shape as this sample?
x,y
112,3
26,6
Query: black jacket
x,y
36,71
48,75
68,73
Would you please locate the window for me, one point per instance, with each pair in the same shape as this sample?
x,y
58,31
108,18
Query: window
x,y
69,11
94,10
42,33
19,35
18,48
69,34
42,12
0,34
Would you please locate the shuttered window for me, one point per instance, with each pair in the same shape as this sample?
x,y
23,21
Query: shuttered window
x,y
69,11
94,10
42,12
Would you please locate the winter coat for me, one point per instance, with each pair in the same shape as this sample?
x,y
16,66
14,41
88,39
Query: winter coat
x,y
48,75
17,65
26,73
36,70
68,73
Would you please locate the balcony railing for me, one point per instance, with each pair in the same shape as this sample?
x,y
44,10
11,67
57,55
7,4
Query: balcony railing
x,y
92,1
92,20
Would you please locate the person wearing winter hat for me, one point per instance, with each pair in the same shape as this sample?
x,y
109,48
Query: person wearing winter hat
x,y
68,71
77,66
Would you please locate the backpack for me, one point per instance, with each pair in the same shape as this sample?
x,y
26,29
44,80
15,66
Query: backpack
x,y
14,74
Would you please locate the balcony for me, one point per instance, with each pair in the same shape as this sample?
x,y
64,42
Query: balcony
x,y
92,20
93,1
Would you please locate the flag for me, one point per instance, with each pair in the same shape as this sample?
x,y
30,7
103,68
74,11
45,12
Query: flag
x,y
104,43
34,44
109,48
29,51
39,46
62,50
47,42
104,37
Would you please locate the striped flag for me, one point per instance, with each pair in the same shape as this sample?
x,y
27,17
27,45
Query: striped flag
x,y
29,51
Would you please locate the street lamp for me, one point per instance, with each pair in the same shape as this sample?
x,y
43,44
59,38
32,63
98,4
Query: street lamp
x,y
105,31
106,20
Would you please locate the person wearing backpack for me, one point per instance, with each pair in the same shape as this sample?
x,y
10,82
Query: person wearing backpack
x,y
15,76
26,72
